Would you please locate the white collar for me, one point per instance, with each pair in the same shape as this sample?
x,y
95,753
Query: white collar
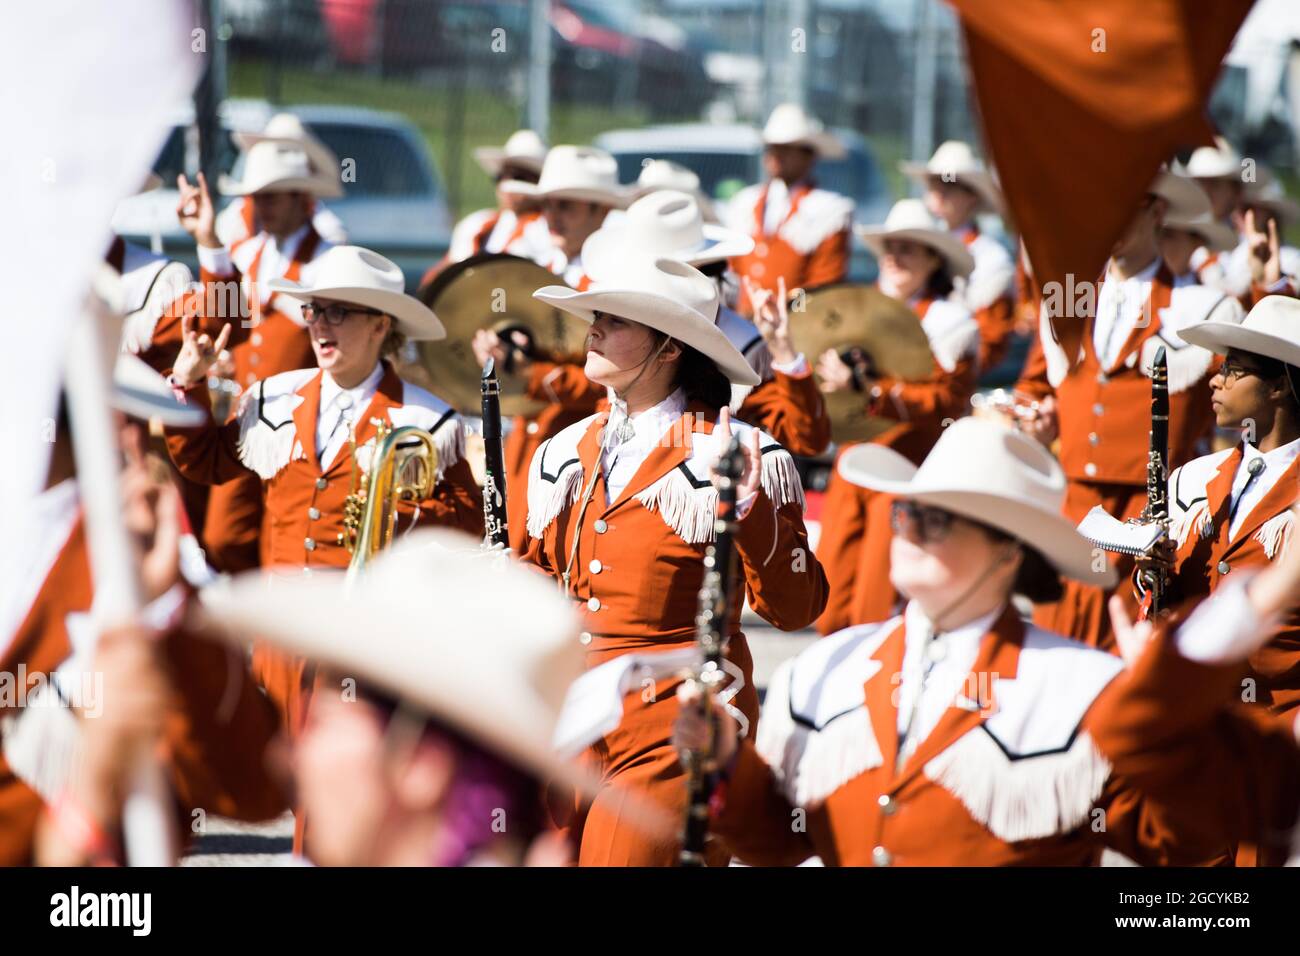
x,y
1278,458
648,424
1146,275
360,395
919,627
289,246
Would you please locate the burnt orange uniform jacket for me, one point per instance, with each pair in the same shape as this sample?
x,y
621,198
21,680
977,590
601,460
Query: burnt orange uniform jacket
x,y
265,340
215,734
572,396
636,569
854,544
1105,417
273,437
1010,775
1220,769
809,248
989,292
1201,501
787,407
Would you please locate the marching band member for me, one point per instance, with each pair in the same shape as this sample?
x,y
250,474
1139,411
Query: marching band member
x,y
300,434
1100,404
516,225
475,708
161,680
239,220
621,508
1221,173
957,187
918,263
954,733
1231,511
578,188
800,232
1178,728
670,224
1192,248
269,337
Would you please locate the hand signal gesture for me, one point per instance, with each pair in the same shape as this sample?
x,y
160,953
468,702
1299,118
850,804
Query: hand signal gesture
x,y
772,318
1265,250
195,211
751,475
198,353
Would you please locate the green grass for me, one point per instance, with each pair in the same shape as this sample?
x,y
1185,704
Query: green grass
x,y
487,118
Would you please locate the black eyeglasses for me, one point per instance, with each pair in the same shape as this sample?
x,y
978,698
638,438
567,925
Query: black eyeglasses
x,y
929,525
1231,372
333,314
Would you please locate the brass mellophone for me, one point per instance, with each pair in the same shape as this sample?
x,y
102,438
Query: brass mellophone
x,y
403,467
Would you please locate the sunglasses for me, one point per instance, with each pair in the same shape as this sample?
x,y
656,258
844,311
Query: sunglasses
x,y
927,525
334,314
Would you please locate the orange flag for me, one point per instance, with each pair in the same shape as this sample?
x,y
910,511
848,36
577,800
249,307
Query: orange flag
x,y
1081,102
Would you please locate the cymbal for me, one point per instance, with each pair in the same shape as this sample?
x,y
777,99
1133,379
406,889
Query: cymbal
x,y
851,316
495,292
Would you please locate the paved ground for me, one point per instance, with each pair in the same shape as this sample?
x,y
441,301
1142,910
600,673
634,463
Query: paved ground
x,y
228,843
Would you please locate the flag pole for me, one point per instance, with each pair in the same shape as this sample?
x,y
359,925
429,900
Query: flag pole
x,y
147,820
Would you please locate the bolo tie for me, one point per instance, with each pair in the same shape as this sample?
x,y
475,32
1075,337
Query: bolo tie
x,y
1256,468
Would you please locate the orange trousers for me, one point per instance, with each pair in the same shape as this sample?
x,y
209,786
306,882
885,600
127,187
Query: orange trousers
x,y
638,765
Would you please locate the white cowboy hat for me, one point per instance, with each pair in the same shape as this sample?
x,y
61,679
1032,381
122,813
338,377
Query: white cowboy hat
x,y
495,669
1271,329
524,149
1219,161
789,125
576,172
288,129
360,277
1217,236
271,166
1186,199
665,294
1267,193
991,474
955,161
659,174
909,219
665,223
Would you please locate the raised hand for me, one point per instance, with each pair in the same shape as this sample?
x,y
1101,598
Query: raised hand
x,y
198,353
195,211
1265,250
772,318
751,477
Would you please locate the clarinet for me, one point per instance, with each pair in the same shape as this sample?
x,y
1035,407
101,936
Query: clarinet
x,y
1152,583
715,607
494,473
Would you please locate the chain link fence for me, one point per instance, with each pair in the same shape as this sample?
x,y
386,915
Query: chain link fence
x,y
457,70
